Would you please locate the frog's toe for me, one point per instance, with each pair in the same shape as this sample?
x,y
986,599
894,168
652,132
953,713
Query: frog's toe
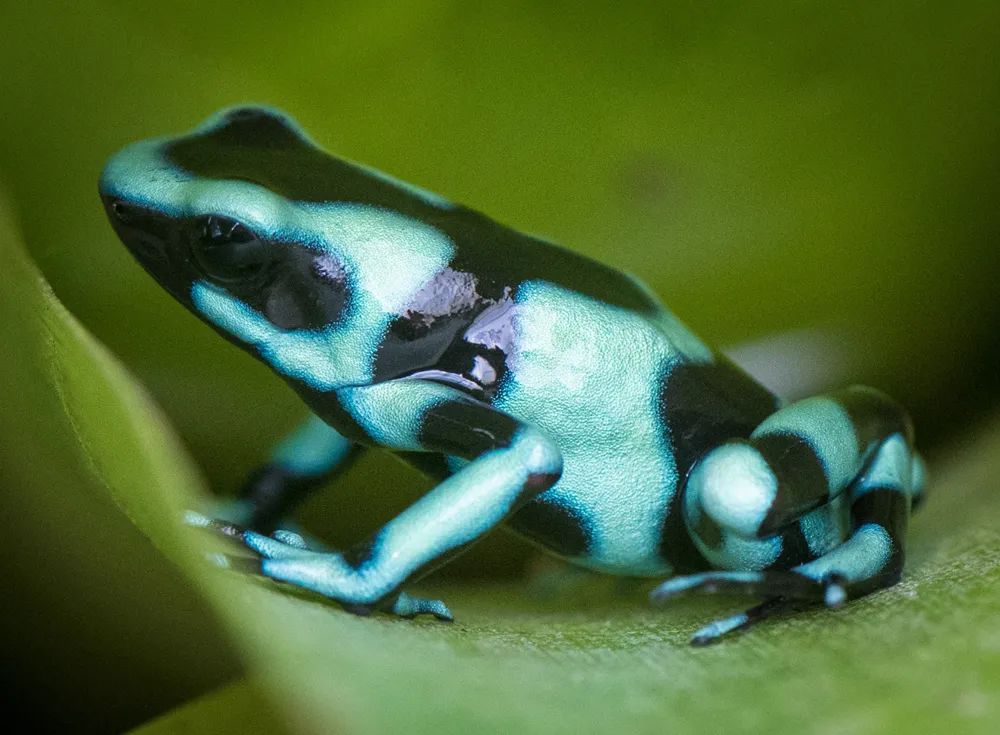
x,y
269,547
292,534
283,545
407,606
287,556
789,585
195,519
228,523
783,591
715,630
219,526
236,511
291,538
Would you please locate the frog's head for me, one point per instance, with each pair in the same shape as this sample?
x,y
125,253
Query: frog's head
x,y
195,229
299,256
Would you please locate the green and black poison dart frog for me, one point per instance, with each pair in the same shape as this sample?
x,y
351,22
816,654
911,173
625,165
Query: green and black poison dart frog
x,y
545,392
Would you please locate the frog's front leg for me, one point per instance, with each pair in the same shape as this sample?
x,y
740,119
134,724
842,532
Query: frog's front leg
x,y
812,507
506,463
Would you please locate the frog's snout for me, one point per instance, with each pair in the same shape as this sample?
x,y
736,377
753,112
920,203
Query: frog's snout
x,y
144,232
121,211
152,238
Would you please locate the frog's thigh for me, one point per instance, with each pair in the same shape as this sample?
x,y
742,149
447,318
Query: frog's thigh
x,y
871,557
752,504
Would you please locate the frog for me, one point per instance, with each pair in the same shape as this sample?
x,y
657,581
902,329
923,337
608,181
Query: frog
x,y
542,391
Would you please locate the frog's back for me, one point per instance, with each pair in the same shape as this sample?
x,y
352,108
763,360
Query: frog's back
x,y
266,148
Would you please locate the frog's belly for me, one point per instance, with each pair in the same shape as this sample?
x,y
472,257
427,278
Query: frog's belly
x,y
590,376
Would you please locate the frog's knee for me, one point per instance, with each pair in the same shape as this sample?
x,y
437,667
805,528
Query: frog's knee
x,y
734,486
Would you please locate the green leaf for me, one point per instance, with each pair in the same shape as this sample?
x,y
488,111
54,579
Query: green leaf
x,y
236,708
923,656
90,599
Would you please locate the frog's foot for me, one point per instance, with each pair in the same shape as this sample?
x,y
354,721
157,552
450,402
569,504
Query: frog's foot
x,y
283,543
830,590
784,592
285,556
229,522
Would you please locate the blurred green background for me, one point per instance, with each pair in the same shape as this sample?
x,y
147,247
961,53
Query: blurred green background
x,y
765,167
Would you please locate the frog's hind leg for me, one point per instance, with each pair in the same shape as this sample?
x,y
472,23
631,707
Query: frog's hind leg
x,y
742,498
870,558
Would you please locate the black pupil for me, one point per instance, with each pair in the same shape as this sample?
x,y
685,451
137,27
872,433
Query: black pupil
x,y
227,251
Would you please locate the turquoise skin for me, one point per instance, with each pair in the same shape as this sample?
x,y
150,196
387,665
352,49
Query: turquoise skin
x,y
544,391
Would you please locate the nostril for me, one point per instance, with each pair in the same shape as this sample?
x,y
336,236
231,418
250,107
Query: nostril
x,y
122,211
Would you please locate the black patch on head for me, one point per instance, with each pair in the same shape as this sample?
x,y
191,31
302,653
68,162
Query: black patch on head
x,y
259,147
298,289
704,405
308,291
258,127
293,286
552,525
154,240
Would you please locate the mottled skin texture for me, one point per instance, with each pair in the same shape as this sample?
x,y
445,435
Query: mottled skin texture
x,y
543,390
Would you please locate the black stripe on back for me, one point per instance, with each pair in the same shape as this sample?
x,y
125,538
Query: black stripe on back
x,y
262,148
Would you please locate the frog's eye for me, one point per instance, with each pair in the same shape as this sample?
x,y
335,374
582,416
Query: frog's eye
x,y
227,251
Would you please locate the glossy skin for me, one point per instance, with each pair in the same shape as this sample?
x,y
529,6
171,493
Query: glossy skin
x,y
544,391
